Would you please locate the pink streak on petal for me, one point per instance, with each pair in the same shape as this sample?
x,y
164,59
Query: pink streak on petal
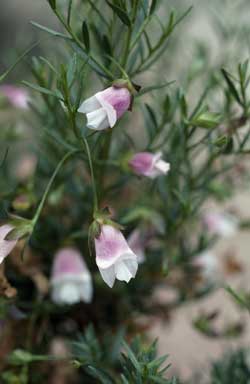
x,y
110,246
119,98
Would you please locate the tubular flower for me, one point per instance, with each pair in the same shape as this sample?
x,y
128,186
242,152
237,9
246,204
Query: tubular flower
x,y
114,258
71,280
6,246
149,164
106,107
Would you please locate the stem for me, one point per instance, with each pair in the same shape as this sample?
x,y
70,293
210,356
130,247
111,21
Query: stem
x,y
47,190
95,197
129,35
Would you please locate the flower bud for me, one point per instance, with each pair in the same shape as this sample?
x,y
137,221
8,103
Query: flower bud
x,y
149,164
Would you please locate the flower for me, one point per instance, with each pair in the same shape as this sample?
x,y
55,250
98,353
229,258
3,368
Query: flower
x,y
17,97
6,246
114,258
149,164
221,224
106,107
208,264
136,243
71,280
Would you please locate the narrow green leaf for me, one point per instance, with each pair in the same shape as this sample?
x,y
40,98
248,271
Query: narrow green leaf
x,y
231,86
100,374
154,4
120,13
69,12
132,357
7,72
46,91
124,380
50,31
85,35
155,87
237,297
206,120
52,3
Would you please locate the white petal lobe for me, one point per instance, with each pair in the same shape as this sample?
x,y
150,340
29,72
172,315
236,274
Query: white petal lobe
x,y
97,120
108,275
89,105
162,166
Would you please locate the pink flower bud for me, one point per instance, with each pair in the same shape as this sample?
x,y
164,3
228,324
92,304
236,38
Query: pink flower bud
x,y
224,225
71,280
6,246
149,164
136,243
114,258
18,97
106,107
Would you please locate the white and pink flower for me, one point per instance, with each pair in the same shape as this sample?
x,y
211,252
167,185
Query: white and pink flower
x,y
114,258
6,246
71,280
18,97
221,224
106,107
149,164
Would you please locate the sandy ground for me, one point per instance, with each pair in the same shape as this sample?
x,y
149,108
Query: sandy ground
x,y
190,350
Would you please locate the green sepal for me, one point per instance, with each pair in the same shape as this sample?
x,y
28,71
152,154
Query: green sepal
x,y
21,228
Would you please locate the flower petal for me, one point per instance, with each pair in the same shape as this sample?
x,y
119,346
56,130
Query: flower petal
x,y
110,246
110,110
89,105
98,119
67,293
126,269
108,275
6,246
162,166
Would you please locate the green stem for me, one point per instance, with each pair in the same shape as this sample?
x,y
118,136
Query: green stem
x,y
95,197
129,35
47,190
